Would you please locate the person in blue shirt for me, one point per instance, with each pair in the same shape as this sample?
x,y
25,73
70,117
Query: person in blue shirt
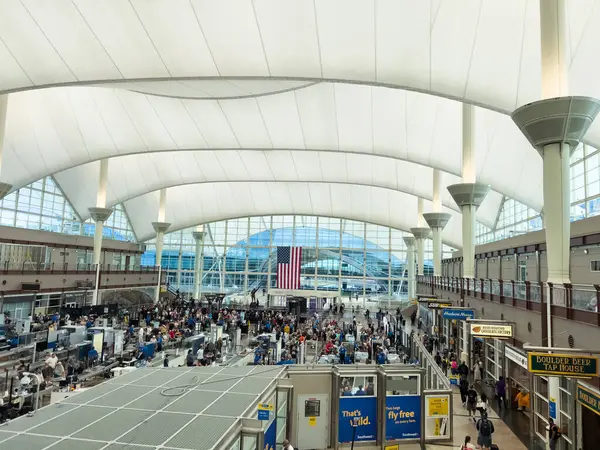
x,y
347,392
342,355
89,324
92,356
380,358
360,390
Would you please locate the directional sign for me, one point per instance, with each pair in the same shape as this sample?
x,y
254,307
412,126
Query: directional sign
x,y
491,330
458,314
264,411
588,399
435,304
568,365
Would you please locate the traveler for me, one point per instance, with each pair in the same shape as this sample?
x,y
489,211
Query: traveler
x,y
485,427
501,392
467,445
166,361
189,359
472,402
554,433
463,369
287,445
482,405
463,387
522,400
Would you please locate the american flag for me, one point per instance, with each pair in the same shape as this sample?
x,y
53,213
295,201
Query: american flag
x,y
288,267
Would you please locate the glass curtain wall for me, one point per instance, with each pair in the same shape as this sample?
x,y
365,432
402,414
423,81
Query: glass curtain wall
x,y
516,218
239,255
42,206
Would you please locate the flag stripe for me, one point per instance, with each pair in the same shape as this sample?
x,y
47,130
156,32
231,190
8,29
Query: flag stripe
x,y
289,261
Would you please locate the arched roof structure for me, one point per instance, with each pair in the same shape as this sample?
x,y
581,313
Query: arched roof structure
x,y
272,97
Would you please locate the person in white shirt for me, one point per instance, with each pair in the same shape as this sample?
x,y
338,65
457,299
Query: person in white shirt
x,y
51,361
287,445
468,445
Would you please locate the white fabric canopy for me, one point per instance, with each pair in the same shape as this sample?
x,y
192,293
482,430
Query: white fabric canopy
x,y
51,130
335,92
134,175
210,202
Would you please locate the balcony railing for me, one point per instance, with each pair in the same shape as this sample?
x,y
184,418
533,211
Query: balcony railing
x,y
577,302
9,267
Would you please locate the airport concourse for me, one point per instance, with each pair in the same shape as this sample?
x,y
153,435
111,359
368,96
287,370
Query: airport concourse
x,y
298,225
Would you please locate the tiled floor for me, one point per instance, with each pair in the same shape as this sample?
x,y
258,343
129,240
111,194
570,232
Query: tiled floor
x,y
464,426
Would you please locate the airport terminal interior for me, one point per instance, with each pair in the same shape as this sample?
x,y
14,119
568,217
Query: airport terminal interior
x,y
279,225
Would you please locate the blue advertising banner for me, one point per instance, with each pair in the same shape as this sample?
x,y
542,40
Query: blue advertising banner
x,y
363,412
271,436
458,314
552,408
403,417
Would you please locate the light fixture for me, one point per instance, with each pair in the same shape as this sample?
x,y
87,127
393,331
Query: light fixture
x,y
586,251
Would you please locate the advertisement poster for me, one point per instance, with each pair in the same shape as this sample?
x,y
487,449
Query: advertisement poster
x,y
271,436
363,412
437,414
403,417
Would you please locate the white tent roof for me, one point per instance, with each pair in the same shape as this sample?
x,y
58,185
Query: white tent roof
x,y
209,202
334,92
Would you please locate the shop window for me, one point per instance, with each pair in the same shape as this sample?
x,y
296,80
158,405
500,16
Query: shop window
x,y
402,385
541,386
595,265
540,425
358,386
541,406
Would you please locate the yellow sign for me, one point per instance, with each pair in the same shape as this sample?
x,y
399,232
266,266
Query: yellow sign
x,y
265,407
312,421
437,406
437,430
392,447
569,365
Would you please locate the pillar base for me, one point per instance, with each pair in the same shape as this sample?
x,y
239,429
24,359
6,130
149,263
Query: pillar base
x,y
556,120
421,232
160,227
409,241
4,189
437,219
469,193
100,214
199,235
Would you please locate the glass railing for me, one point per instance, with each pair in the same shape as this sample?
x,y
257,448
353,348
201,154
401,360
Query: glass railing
x,y
576,297
29,266
435,379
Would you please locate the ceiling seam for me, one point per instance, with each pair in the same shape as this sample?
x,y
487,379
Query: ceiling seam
x,y
262,42
97,39
229,123
472,49
49,41
318,36
195,124
16,61
149,38
204,37
521,54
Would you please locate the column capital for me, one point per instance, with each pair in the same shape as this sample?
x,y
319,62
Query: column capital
x,y
469,193
409,241
160,227
437,219
199,235
556,120
420,232
100,214
4,189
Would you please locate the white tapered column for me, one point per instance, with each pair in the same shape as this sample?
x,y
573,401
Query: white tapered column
x,y
161,228
469,194
100,213
198,234
410,262
4,187
437,221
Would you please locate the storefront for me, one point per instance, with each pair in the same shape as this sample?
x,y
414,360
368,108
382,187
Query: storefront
x,y
588,414
517,375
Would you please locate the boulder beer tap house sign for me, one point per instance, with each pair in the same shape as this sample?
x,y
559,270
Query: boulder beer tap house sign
x,y
576,366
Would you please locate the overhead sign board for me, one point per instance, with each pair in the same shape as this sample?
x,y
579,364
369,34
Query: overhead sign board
x,y
491,330
434,303
430,296
568,365
458,314
264,410
588,399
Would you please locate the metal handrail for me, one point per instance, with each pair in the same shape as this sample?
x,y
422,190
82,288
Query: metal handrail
x,y
431,361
